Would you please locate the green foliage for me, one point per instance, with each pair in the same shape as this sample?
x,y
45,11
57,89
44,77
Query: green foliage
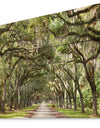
x,y
62,49
57,26
20,113
75,114
58,59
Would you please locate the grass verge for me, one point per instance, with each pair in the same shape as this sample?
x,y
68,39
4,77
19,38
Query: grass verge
x,y
74,114
18,113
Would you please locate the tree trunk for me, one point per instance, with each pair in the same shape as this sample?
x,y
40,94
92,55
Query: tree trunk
x,y
63,100
57,101
81,98
15,101
11,103
60,101
77,86
18,98
74,100
4,96
70,102
15,105
1,97
75,106
67,101
1,94
90,78
94,101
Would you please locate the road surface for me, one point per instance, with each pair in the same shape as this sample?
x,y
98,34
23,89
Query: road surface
x,y
43,112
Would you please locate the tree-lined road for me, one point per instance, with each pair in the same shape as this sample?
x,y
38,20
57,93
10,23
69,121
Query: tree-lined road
x,y
54,57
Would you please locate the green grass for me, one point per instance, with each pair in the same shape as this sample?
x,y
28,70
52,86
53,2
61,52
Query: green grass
x,y
74,114
18,113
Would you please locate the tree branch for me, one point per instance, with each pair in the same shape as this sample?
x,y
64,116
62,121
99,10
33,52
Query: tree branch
x,y
82,11
94,56
6,29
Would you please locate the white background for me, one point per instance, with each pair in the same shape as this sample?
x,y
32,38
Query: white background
x,y
16,10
